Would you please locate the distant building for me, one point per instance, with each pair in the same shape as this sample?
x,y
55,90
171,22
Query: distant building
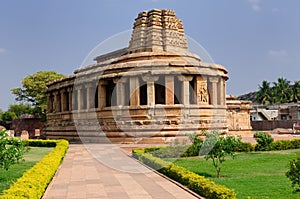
x,y
279,116
289,111
261,113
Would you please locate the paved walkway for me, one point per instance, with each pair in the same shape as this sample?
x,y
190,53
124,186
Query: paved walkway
x,y
105,171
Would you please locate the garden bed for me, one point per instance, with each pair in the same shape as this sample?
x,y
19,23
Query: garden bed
x,y
35,154
34,181
254,174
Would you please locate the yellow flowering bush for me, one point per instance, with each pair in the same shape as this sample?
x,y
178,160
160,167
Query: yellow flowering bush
x,y
194,182
34,181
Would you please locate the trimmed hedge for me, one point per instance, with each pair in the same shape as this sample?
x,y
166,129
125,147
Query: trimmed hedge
x,y
244,147
286,144
42,143
194,182
34,181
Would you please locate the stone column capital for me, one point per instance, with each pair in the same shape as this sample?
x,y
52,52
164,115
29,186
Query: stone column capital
x,y
214,79
120,80
184,78
70,89
103,82
62,90
149,78
201,78
89,85
78,87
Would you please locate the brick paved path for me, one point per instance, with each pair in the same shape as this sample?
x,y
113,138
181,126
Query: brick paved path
x,y
105,171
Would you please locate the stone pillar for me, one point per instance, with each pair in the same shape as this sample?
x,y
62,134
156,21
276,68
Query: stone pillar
x,y
102,94
150,88
120,90
56,101
169,85
90,95
80,97
70,93
222,91
214,90
49,103
63,100
201,90
185,89
134,91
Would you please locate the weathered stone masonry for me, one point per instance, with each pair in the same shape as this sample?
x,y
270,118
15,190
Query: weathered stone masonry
x,y
151,91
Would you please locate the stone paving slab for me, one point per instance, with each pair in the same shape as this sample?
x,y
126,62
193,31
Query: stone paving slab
x,y
105,171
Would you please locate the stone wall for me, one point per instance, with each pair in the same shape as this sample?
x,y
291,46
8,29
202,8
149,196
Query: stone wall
x,y
28,124
238,114
273,124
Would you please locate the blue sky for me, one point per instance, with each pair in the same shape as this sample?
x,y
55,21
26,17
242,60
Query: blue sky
x,y
254,39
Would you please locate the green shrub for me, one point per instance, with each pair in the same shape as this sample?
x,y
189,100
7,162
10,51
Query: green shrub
x,y
177,150
11,150
295,143
198,184
170,151
244,147
264,142
136,152
42,143
283,145
34,181
294,173
152,149
194,148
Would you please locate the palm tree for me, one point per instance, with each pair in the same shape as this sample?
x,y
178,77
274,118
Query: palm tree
x,y
295,92
282,91
264,94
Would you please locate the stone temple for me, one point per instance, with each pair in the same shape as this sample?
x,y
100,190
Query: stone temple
x,y
153,91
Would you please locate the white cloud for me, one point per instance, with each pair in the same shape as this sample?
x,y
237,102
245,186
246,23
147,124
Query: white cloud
x,y
277,53
2,50
255,5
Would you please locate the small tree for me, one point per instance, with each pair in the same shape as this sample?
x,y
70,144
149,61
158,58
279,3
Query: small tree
x,y
33,89
20,109
194,148
217,148
8,116
11,150
264,141
294,173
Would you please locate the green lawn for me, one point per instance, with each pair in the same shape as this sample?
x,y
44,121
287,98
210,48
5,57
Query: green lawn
x,y
256,174
31,157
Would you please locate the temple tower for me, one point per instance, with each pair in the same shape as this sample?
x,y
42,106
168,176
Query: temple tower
x,y
154,90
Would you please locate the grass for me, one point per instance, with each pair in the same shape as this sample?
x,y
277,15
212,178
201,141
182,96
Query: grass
x,y
254,175
31,157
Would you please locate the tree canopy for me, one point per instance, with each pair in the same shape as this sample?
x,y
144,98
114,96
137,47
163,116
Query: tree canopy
x,y
281,92
33,88
21,109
